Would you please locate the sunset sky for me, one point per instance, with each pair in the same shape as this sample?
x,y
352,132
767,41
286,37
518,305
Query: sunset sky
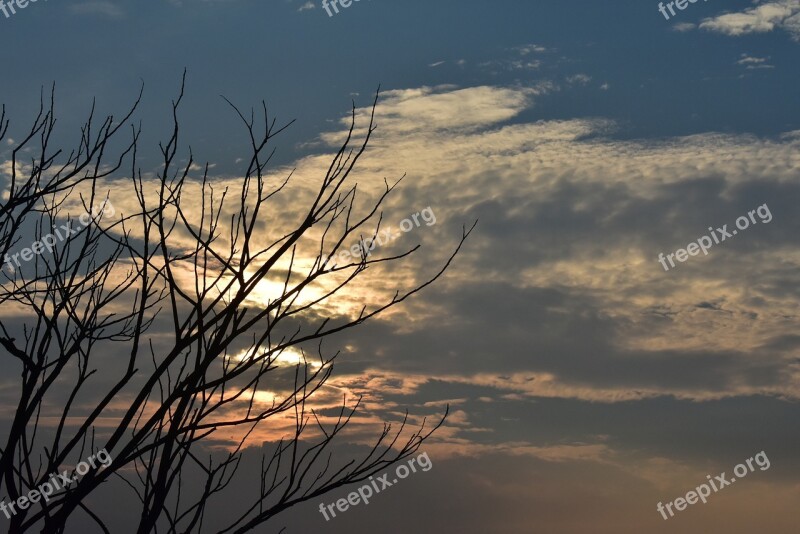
x,y
586,383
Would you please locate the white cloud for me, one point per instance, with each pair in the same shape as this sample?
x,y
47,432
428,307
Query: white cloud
x,y
581,79
521,59
752,62
513,65
307,5
530,49
446,108
466,151
683,27
783,14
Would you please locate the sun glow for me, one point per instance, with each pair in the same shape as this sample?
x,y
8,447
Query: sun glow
x,y
289,357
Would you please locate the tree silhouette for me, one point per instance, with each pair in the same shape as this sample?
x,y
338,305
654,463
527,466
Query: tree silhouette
x,y
85,307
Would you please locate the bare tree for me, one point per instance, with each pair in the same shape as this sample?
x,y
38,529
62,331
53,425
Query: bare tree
x,y
100,290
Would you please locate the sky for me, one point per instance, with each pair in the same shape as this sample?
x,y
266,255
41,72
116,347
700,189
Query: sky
x,y
587,379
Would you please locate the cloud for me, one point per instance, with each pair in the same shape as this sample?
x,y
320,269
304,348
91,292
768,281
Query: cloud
x,y
512,64
107,9
306,6
752,62
683,27
784,14
426,110
557,315
593,253
581,79
590,265
520,59
525,50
